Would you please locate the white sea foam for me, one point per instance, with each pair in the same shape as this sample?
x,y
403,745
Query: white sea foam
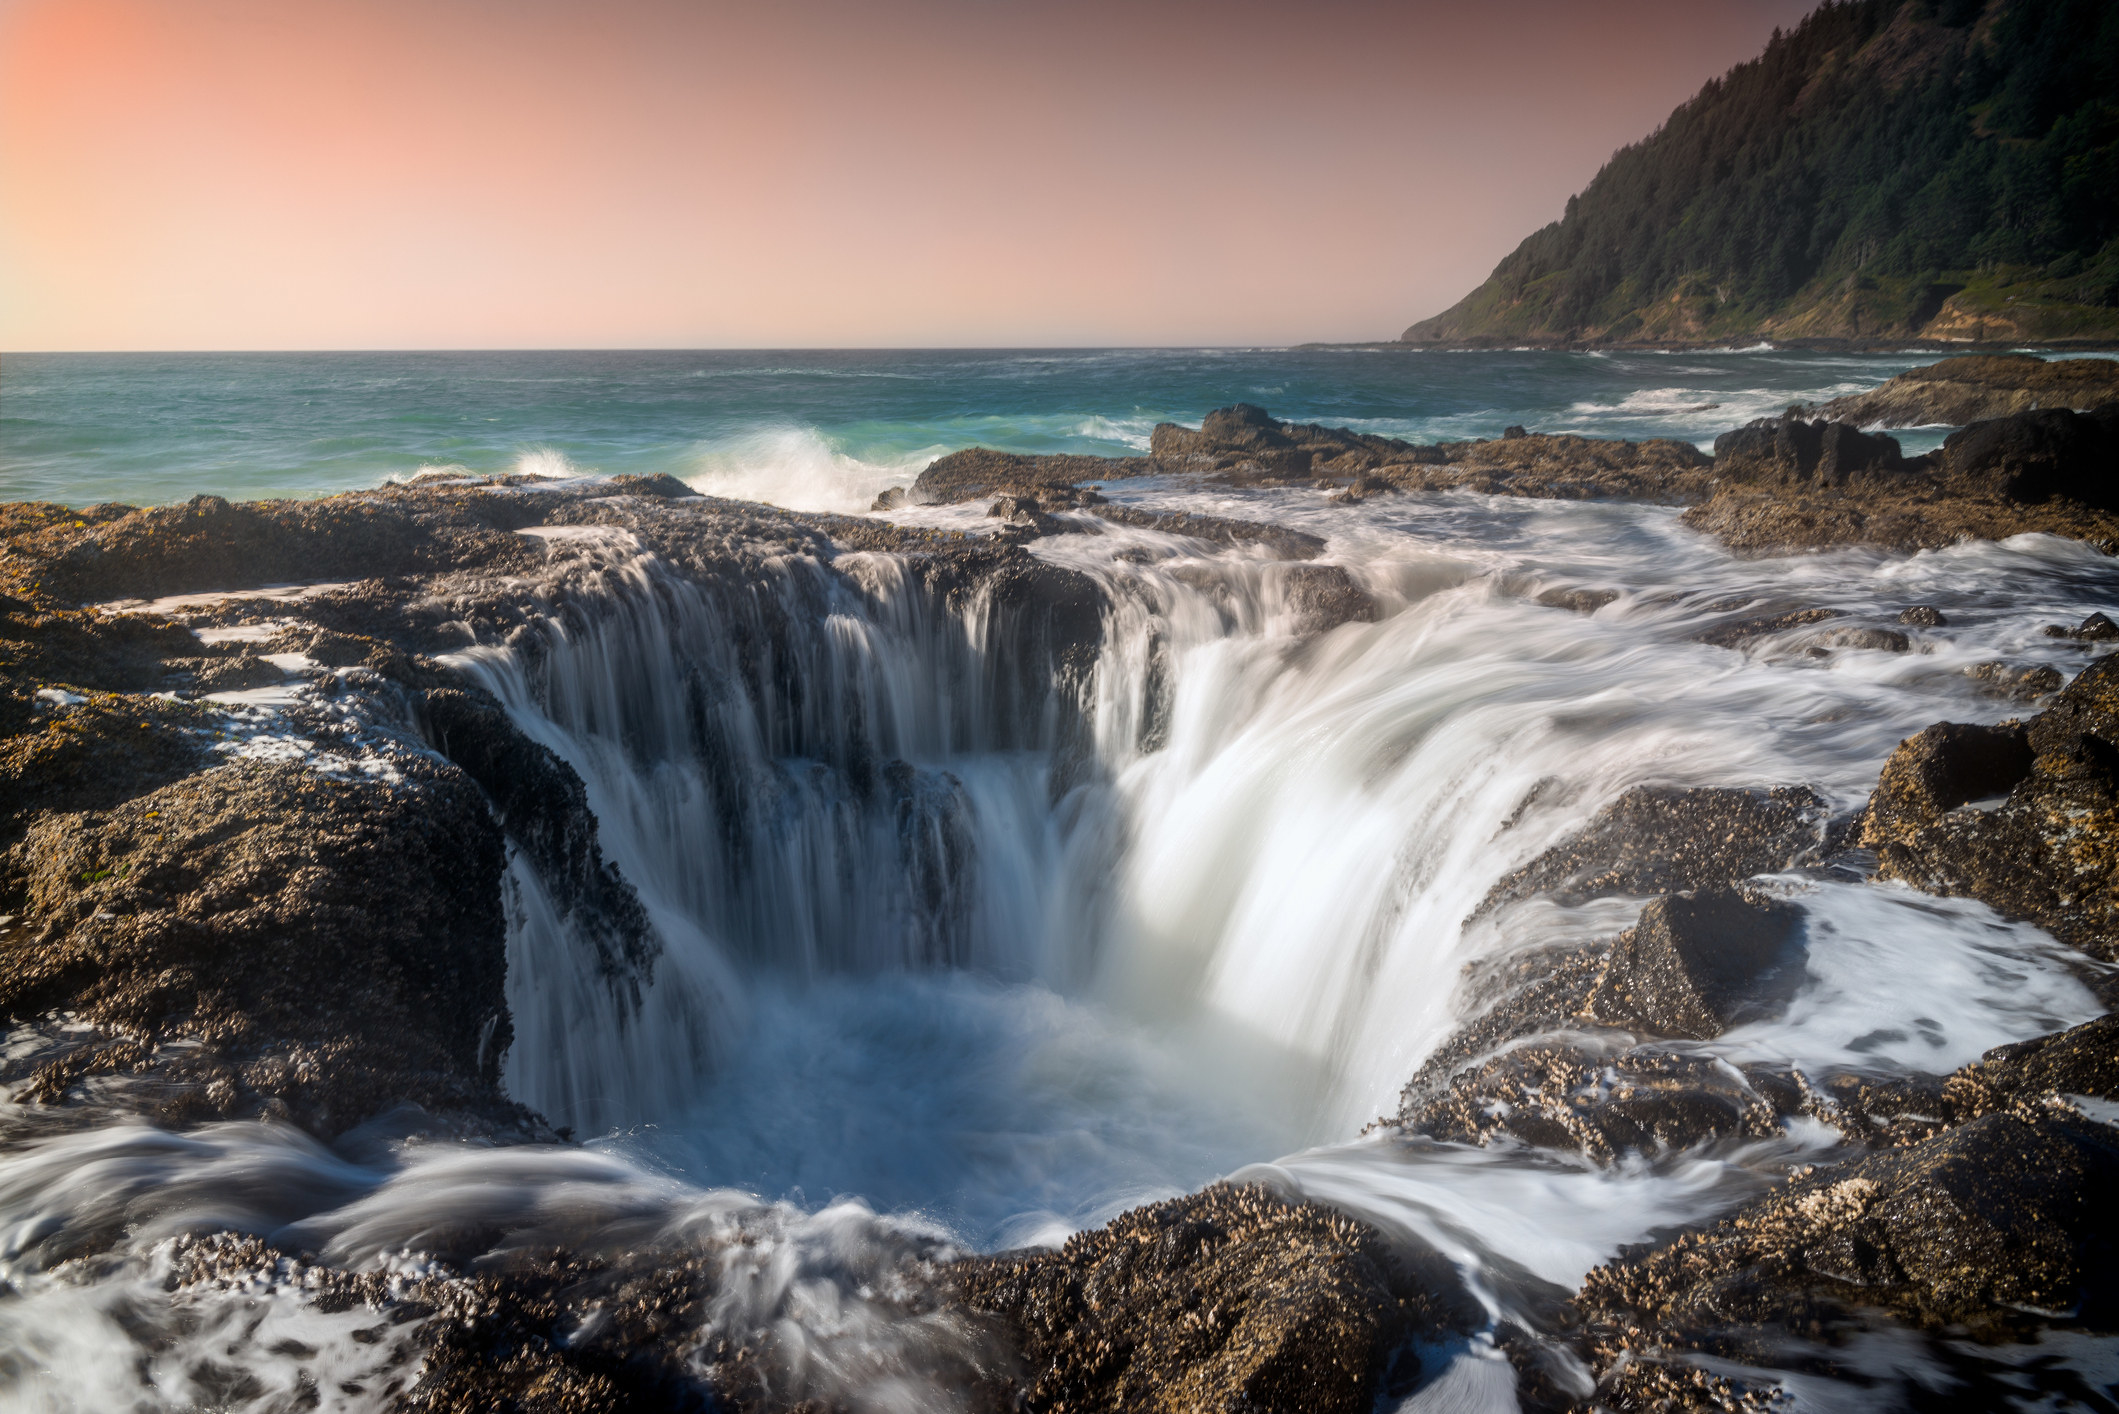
x,y
800,468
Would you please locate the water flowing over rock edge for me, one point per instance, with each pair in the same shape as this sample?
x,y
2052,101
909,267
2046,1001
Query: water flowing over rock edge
x,y
392,647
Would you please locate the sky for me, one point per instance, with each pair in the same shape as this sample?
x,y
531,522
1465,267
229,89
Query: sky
x,y
283,174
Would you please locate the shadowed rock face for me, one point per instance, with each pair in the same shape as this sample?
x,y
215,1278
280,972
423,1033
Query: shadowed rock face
x,y
1787,453
1697,963
1976,388
1229,1299
2034,457
2047,852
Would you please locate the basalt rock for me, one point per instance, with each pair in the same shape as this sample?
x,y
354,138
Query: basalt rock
x,y
1696,964
978,472
2034,457
543,807
2047,471
1277,542
1978,1227
1941,768
1322,597
1666,839
1789,454
1978,387
2039,1076
1602,1100
323,948
2097,628
2049,851
1229,1299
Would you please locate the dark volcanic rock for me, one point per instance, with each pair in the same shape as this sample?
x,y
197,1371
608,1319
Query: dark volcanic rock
x,y
1976,387
1968,1228
1940,769
2029,1076
2034,457
1276,541
2048,471
1602,1101
1696,964
1326,596
1923,616
1665,839
1789,454
978,472
2050,851
2097,628
333,946
2018,682
544,808
1230,1299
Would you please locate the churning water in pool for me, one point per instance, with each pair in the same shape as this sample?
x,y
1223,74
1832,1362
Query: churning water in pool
x,y
1195,910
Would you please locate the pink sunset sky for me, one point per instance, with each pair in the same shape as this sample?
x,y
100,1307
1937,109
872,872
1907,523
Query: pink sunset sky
x,y
180,174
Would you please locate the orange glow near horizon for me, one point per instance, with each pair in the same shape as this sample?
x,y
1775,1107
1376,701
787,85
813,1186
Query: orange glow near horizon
x,y
653,173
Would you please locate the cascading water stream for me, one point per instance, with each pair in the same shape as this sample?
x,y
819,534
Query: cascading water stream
x,y
949,927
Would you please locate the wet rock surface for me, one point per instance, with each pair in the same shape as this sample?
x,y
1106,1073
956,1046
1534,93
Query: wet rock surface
x,y
1978,387
2045,471
1775,486
1229,1299
1665,839
2020,816
320,938
264,940
1698,963
1980,1228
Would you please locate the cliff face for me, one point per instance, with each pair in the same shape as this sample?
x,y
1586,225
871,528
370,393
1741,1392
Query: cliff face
x,y
1887,169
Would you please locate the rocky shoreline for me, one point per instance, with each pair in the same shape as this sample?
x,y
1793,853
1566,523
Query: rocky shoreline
x,y
293,911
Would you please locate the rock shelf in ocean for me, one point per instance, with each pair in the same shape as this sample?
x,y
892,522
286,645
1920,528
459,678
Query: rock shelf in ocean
x,y
1774,487
1979,388
284,804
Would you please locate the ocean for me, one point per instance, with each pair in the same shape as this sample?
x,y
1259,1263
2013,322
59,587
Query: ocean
x,y
808,430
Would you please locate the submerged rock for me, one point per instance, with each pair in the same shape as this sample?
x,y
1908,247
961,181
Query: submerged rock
x,y
1278,542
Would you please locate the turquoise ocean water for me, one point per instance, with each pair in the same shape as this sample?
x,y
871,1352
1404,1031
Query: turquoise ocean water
x,y
817,430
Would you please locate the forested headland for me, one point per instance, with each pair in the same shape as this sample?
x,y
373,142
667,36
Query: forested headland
x,y
1888,169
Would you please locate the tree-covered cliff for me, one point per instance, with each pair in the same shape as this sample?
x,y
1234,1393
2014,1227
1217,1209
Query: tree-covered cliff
x,y
1945,168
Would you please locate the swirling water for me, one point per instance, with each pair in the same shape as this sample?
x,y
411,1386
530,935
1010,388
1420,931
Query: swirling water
x,y
1062,992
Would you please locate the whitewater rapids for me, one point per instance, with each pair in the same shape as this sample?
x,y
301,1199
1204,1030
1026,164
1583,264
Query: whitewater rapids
x,y
1198,910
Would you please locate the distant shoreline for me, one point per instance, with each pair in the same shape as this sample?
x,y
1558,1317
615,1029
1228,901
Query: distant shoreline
x,y
1762,345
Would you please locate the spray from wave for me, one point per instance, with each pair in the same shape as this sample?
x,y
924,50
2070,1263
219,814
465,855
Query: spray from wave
x,y
801,469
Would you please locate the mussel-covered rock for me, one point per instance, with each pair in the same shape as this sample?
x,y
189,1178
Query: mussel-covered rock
x,y
1229,1299
1697,963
